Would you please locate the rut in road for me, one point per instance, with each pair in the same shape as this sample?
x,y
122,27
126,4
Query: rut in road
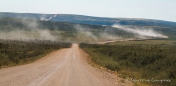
x,y
65,67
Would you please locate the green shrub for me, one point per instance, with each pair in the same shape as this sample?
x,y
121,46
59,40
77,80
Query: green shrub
x,y
151,61
14,52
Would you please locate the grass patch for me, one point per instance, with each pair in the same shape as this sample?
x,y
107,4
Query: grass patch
x,y
138,61
144,42
16,52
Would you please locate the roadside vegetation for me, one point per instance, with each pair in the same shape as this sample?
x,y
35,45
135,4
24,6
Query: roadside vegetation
x,y
137,61
16,52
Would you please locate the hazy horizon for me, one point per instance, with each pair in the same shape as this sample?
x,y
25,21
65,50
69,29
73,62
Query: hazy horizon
x,y
158,9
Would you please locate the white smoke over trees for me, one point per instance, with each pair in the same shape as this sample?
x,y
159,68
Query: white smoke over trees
x,y
90,34
30,32
141,33
43,18
84,33
33,29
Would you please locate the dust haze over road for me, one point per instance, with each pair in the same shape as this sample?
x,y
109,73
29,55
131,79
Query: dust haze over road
x,y
65,67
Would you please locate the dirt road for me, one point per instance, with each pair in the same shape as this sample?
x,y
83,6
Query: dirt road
x,y
65,67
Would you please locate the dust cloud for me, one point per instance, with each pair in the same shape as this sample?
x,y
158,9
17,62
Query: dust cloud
x,y
33,32
89,34
141,33
83,33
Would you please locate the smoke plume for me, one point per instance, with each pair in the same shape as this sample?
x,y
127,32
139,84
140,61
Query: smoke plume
x,y
32,31
141,33
43,18
84,33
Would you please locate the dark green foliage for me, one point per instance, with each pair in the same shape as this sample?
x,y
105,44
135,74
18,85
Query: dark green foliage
x,y
14,52
151,61
81,19
18,23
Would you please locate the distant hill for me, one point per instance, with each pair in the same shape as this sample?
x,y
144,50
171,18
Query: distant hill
x,y
81,19
85,28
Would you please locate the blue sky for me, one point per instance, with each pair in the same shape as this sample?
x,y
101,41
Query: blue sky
x,y
150,9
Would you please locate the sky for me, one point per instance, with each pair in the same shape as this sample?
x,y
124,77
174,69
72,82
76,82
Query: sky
x,y
148,9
